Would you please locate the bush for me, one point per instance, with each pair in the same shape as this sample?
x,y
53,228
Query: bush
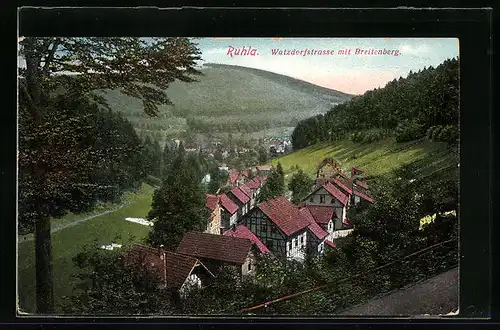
x,y
429,132
408,131
436,132
448,134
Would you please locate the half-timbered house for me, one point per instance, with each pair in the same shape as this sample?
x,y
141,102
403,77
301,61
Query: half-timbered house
x,y
328,194
280,226
328,168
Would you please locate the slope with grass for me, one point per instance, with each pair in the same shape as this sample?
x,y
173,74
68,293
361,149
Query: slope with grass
x,y
66,243
377,158
226,96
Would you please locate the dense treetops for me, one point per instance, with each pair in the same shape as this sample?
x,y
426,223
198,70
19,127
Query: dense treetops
x,y
407,107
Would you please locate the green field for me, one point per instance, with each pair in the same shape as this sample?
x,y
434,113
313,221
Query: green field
x,y
376,158
67,242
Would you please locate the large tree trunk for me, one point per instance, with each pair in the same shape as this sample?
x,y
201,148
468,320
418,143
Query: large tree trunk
x,y
43,256
43,244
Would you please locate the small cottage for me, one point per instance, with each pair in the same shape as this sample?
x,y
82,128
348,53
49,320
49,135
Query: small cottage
x,y
174,271
218,250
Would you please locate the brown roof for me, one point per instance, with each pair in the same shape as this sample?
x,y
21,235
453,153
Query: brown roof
x,y
217,247
171,268
319,232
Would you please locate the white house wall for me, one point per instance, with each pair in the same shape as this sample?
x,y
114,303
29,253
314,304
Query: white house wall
x,y
329,200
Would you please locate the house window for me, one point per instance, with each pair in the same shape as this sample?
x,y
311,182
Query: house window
x,y
249,266
294,242
263,227
270,244
322,199
288,246
333,201
311,199
301,240
330,226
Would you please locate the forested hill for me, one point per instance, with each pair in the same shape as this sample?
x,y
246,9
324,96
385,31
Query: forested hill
x,y
231,99
425,102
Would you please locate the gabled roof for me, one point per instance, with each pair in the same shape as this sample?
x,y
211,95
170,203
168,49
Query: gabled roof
x,y
335,192
345,185
173,268
246,190
360,183
228,204
253,184
241,231
363,195
333,164
233,177
264,167
284,215
319,232
322,213
217,247
211,201
240,195
245,173
330,243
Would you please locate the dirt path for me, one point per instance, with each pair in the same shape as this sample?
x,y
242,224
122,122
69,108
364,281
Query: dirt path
x,y
27,238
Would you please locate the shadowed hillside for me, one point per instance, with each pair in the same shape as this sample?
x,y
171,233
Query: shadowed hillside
x,y
230,99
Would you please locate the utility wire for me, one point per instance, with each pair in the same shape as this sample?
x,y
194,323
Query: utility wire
x,y
422,251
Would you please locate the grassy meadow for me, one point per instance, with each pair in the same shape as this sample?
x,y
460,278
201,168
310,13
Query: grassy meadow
x,y
376,159
67,242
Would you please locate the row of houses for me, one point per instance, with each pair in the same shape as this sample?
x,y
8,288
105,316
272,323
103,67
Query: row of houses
x,y
240,229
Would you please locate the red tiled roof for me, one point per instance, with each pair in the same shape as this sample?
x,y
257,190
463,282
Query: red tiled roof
x,y
330,243
253,184
238,193
361,184
242,231
217,247
345,185
335,192
245,173
319,232
347,222
228,204
211,201
264,167
233,177
321,214
363,195
284,214
246,190
179,267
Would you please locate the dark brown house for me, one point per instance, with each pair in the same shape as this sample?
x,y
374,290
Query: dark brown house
x,y
218,250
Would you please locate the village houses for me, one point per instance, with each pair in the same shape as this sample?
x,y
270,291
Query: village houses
x,y
216,251
175,272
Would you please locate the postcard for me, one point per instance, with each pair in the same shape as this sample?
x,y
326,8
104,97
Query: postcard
x,y
238,176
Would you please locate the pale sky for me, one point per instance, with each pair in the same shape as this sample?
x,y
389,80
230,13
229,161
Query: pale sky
x,y
353,74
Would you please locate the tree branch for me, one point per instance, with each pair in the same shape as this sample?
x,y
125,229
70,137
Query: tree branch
x,y
50,55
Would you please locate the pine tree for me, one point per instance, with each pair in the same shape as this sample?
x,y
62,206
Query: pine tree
x,y
178,205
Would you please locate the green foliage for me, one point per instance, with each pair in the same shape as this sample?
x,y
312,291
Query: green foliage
x,y
263,156
89,156
409,130
300,185
106,285
429,97
274,186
